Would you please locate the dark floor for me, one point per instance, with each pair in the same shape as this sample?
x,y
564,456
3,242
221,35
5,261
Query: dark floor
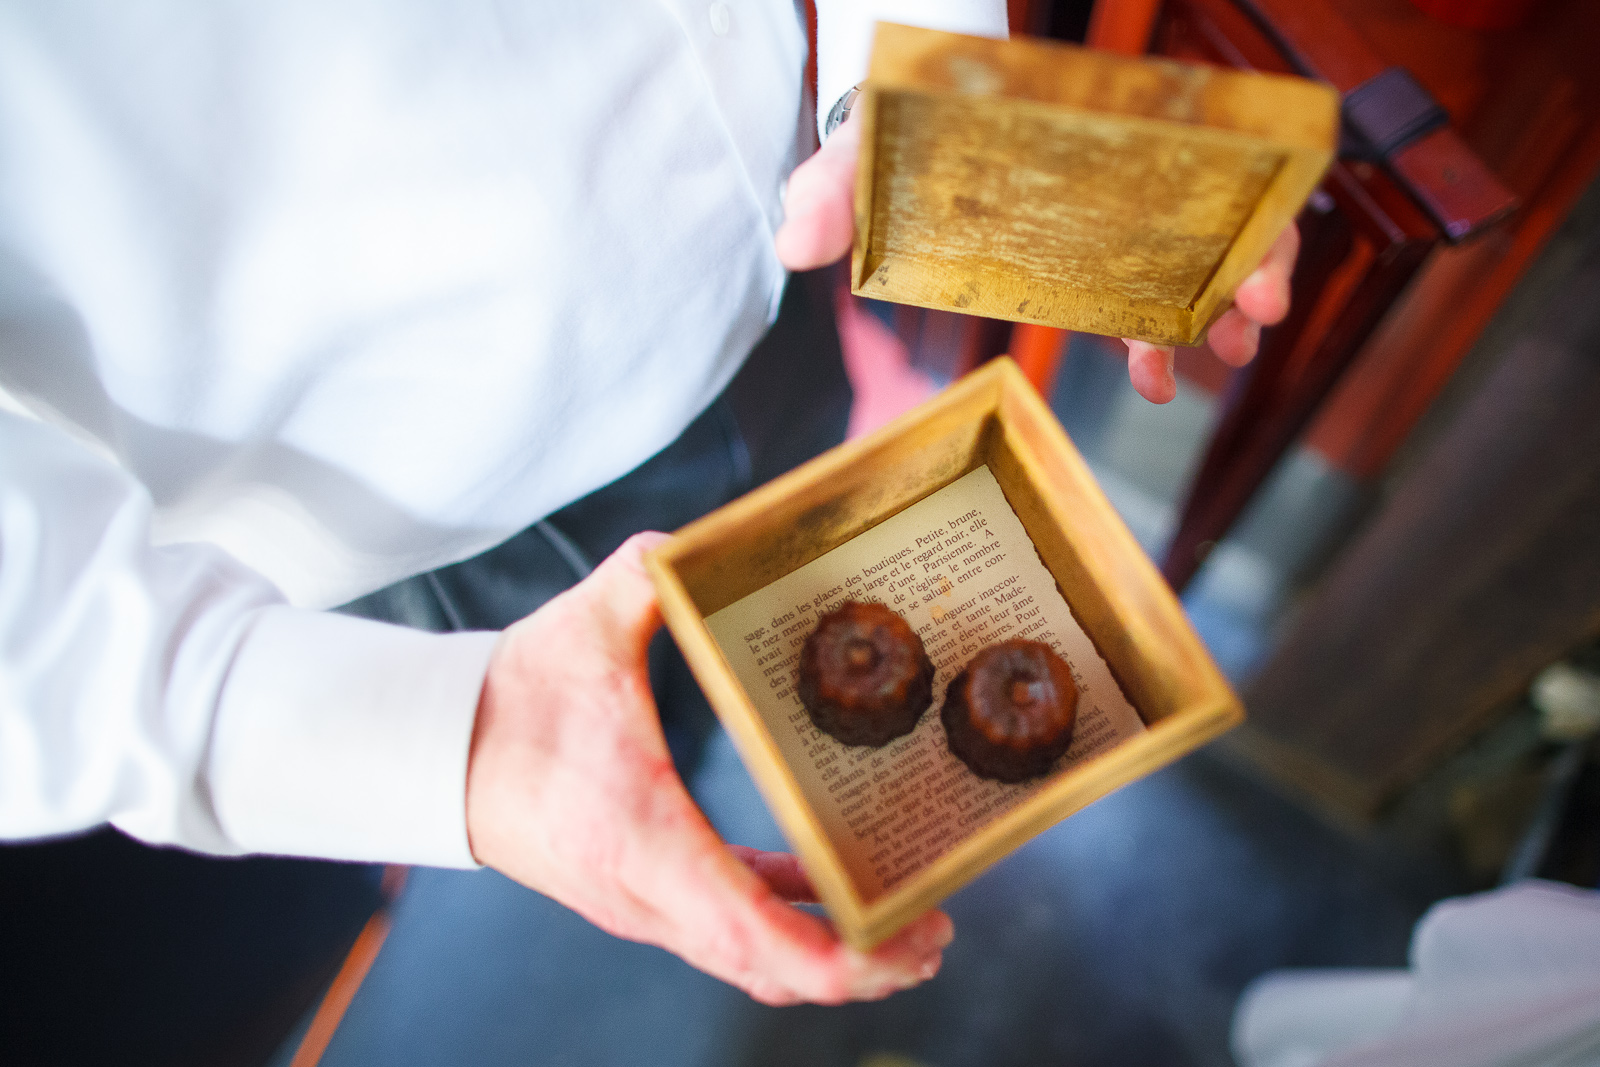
x,y
112,952
1122,936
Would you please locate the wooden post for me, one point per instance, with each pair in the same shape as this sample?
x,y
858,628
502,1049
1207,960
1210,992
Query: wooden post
x,y
1122,25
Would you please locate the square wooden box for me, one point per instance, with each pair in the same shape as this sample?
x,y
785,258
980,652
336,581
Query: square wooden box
x,y
992,417
1039,182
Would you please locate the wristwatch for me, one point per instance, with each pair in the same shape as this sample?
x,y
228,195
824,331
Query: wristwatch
x,y
840,111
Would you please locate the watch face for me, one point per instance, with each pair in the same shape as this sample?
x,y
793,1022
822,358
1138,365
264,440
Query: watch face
x,y
840,110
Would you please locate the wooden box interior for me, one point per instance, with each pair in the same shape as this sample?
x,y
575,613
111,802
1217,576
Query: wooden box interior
x,y
1039,182
991,417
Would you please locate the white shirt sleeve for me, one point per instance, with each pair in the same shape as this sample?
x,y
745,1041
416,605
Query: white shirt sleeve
x,y
844,35
170,692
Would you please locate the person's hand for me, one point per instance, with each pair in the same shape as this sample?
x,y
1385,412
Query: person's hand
x,y
571,791
1262,299
819,218
819,224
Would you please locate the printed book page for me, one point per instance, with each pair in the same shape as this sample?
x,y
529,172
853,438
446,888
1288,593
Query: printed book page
x,y
960,568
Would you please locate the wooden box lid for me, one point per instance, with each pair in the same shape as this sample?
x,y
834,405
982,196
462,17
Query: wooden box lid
x,y
1040,182
991,418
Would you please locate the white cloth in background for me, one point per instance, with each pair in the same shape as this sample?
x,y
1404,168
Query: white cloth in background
x,y
1509,978
298,299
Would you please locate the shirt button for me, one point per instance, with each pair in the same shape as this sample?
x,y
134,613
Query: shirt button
x,y
721,19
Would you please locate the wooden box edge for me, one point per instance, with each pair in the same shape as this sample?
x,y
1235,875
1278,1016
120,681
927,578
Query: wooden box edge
x,y
1306,132
864,924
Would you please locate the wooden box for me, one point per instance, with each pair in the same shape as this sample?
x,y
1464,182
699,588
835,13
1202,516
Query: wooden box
x,y
1044,183
992,417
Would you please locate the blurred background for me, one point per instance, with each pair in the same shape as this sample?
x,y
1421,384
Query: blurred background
x,y
1385,529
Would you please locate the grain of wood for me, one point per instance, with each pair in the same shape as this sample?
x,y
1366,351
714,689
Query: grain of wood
x,y
1048,184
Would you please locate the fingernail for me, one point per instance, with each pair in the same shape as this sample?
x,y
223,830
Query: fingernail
x,y
930,969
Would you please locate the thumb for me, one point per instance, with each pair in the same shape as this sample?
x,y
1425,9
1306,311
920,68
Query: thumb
x,y
819,207
621,595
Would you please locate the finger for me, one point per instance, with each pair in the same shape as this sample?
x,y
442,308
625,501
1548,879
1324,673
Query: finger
x,y
1234,338
781,872
907,959
772,994
730,923
1150,370
1264,294
622,588
912,956
918,946
819,206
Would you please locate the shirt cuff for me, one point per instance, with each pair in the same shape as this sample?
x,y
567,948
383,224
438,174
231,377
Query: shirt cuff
x,y
344,738
844,35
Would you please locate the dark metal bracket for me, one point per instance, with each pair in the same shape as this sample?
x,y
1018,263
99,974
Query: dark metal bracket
x,y
1387,112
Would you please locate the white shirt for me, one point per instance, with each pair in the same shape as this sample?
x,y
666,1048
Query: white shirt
x,y
299,299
